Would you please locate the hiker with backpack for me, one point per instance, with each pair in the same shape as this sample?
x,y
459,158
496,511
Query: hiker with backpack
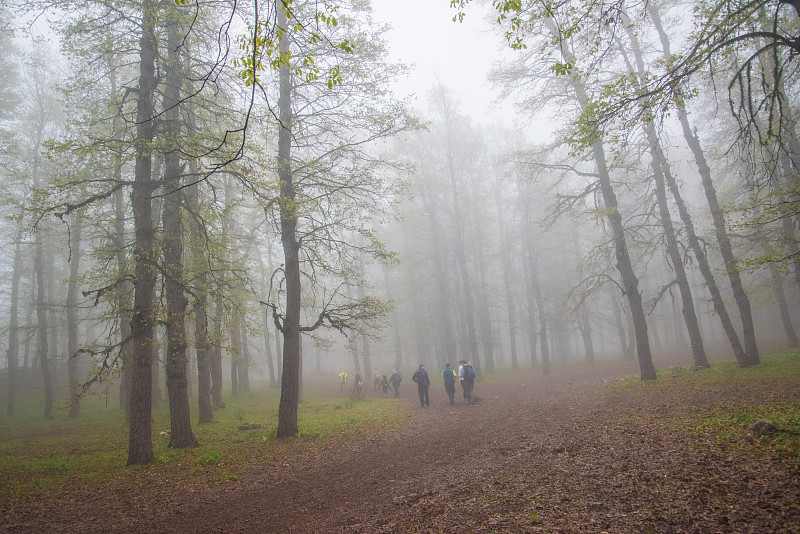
x,y
469,382
395,382
420,376
461,378
449,376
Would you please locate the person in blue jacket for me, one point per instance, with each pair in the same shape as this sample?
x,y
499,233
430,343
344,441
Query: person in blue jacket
x,y
420,376
449,376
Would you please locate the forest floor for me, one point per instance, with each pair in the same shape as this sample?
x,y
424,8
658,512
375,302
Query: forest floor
x,y
579,451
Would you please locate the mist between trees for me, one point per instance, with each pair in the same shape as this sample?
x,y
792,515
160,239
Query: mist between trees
x,y
201,194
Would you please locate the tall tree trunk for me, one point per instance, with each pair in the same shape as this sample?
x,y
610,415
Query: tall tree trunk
x,y
279,351
50,306
215,356
789,225
582,315
535,287
689,314
444,344
29,321
533,260
461,260
530,300
621,332
630,282
123,293
421,330
266,270
73,365
398,345
485,317
660,169
483,311
181,434
205,412
124,288
268,348
244,368
236,351
705,174
780,297
505,256
13,323
366,352
354,353
776,281
41,325
751,356
290,380
156,367
140,445
39,268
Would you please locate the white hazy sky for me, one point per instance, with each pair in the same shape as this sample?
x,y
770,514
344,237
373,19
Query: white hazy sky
x,y
459,54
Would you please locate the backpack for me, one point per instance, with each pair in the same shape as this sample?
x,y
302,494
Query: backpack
x,y
449,376
469,372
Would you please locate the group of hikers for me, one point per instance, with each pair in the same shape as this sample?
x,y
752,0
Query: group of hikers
x,y
381,383
465,376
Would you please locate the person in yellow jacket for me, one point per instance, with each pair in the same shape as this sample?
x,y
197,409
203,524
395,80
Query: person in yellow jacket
x,y
342,380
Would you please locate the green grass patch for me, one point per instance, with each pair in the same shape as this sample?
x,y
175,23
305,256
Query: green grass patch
x,y
227,476
41,458
731,426
779,367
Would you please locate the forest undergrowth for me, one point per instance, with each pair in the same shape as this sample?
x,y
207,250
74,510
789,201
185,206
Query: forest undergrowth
x,y
42,459
584,449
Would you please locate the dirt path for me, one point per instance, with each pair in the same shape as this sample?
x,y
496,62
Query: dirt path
x,y
566,455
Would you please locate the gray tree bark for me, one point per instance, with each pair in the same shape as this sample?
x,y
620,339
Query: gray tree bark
x,y
13,322
661,168
140,445
505,256
290,380
694,242
181,435
73,365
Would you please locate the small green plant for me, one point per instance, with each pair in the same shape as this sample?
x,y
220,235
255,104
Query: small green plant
x,y
533,517
227,476
210,457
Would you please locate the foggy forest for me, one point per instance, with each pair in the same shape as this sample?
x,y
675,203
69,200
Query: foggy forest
x,y
206,200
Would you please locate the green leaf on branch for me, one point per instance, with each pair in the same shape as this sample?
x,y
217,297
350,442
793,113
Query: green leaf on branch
x,y
562,69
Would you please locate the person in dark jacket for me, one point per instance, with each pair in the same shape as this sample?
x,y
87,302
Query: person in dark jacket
x,y
469,382
420,376
395,380
449,376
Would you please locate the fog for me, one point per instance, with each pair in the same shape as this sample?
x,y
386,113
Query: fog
x,y
374,199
